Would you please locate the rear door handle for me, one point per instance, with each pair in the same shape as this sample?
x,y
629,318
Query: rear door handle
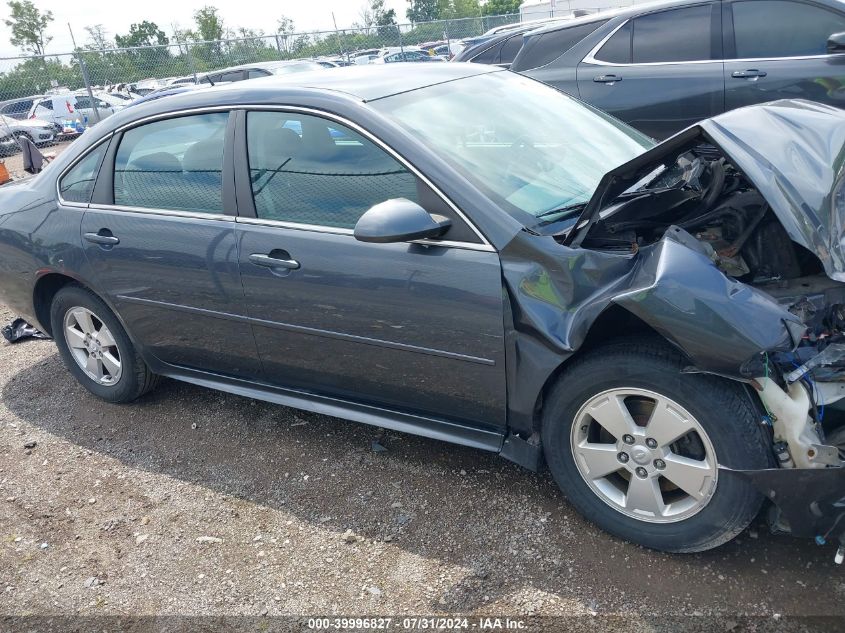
x,y
607,79
103,237
751,73
269,261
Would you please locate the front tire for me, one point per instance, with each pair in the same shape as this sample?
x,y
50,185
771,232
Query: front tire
x,y
635,445
96,349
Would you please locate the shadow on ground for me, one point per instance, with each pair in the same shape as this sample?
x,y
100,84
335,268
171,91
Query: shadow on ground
x,y
510,527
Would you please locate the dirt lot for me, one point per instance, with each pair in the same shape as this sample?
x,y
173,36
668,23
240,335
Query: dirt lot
x,y
14,163
197,502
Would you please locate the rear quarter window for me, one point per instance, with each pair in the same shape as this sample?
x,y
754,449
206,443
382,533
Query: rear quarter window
x,y
541,49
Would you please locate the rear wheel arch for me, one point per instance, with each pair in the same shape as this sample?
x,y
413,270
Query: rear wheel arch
x,y
45,290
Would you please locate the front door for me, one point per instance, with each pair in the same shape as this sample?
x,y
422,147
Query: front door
x,y
659,72
161,245
785,60
407,326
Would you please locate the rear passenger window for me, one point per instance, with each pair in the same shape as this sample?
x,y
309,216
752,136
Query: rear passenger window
x,y
792,29
510,49
617,50
544,48
489,56
173,164
679,35
77,185
306,170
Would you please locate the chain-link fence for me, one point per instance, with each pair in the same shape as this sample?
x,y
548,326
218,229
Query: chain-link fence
x,y
148,67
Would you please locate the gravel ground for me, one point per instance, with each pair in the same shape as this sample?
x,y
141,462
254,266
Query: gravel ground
x,y
202,503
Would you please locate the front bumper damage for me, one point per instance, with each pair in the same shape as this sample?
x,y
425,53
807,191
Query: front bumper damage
x,y
810,501
723,327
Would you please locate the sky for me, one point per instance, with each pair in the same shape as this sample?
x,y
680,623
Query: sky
x,y
117,15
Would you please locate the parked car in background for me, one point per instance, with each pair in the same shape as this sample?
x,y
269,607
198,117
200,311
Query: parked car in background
x,y
19,108
38,131
499,48
258,70
59,108
476,258
168,91
407,56
662,67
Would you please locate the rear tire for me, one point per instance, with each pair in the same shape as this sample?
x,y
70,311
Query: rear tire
x,y
642,501
96,349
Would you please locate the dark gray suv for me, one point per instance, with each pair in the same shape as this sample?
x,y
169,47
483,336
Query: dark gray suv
x,y
467,254
663,67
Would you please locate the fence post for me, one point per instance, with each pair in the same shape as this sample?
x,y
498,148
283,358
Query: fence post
x,y
190,60
87,81
399,31
446,33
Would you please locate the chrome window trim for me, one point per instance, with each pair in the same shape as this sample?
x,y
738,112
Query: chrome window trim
x,y
336,230
194,215
483,246
591,56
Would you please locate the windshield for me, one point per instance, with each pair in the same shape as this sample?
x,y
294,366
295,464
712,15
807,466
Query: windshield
x,y
531,148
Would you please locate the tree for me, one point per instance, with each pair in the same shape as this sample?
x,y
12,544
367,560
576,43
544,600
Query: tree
x,y
98,38
29,26
500,7
460,9
380,16
423,10
209,23
285,28
143,34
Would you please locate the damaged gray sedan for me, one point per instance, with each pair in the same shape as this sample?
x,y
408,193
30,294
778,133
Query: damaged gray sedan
x,y
469,255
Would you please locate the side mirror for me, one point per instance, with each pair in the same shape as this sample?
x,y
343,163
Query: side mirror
x,y
399,220
836,43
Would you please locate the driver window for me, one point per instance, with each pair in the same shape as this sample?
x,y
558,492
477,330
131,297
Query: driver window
x,y
307,170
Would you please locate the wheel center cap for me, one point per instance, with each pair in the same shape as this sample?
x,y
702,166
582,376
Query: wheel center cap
x,y
641,455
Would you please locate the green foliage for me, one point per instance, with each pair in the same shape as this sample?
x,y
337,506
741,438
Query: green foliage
x,y
423,10
501,7
209,24
29,26
143,34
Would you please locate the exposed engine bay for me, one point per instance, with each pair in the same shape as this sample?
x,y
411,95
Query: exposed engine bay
x,y
704,194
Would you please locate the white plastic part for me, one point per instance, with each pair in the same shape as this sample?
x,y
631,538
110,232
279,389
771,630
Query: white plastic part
x,y
792,423
840,555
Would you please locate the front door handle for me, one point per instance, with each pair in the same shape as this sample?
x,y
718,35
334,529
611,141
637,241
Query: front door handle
x,y
270,261
751,73
607,79
103,238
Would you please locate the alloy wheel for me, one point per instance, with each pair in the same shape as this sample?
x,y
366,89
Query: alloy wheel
x,y
92,346
644,455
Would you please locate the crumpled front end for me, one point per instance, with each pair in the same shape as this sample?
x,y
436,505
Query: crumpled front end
x,y
725,240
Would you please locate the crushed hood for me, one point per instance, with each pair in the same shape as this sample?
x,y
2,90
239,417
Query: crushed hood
x,y
793,151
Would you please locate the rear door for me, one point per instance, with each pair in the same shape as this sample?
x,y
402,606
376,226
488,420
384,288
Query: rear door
x,y
777,49
660,71
159,238
406,326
